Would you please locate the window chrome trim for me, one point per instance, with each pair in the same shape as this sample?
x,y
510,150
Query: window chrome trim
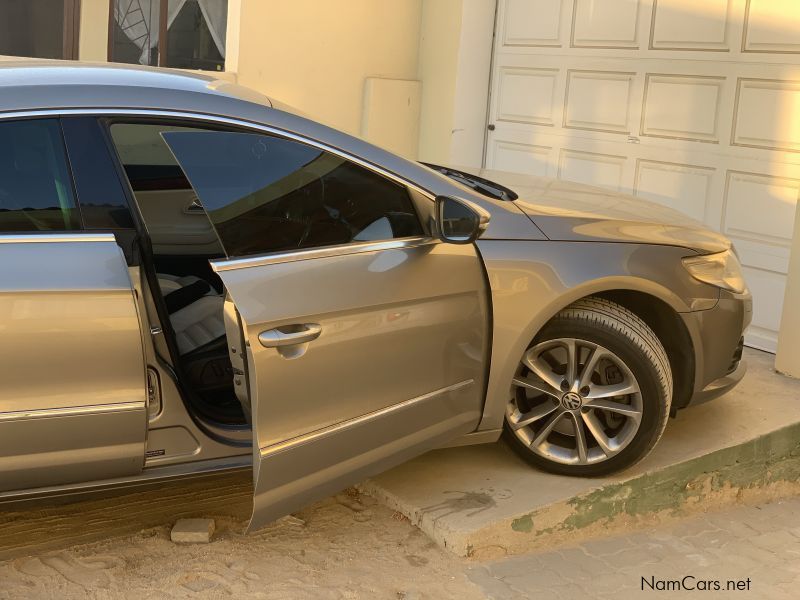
x,y
267,451
277,258
39,238
72,411
196,116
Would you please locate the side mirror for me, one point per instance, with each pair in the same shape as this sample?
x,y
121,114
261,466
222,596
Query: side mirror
x,y
459,221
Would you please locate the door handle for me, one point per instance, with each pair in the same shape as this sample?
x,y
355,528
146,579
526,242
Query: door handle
x,y
289,335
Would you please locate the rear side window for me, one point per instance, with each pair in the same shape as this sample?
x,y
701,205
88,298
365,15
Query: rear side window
x,y
267,194
35,187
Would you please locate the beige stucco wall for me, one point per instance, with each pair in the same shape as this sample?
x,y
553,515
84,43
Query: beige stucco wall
x,y
316,55
93,41
438,64
320,57
788,358
454,67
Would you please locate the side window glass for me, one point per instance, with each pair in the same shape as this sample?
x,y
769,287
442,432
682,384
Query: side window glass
x,y
268,194
35,187
147,160
175,220
100,194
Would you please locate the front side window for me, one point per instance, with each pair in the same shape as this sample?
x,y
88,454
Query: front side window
x,y
185,34
35,186
268,194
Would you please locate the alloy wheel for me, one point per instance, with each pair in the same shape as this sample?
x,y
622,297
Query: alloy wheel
x,y
574,402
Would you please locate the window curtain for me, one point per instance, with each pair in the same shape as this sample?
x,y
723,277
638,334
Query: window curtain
x,y
141,28
215,12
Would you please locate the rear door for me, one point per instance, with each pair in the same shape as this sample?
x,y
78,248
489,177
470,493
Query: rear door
x,y
72,377
365,341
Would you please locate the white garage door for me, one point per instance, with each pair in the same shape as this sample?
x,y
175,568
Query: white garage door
x,y
692,103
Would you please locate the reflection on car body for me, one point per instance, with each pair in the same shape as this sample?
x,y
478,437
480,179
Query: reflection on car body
x,y
194,282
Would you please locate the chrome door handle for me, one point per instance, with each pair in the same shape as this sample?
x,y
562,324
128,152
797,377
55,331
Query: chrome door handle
x,y
290,336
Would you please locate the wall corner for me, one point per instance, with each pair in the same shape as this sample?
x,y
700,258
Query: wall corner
x,y
787,359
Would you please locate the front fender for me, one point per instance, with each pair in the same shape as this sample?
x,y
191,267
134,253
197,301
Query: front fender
x,y
531,281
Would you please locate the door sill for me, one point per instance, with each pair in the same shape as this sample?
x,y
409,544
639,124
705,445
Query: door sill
x,y
148,476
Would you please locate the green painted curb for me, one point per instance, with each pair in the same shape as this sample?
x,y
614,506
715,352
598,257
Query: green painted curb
x,y
768,459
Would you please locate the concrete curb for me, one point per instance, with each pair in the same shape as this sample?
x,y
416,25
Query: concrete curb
x,y
764,467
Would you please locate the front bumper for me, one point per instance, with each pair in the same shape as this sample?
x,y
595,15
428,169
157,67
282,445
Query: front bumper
x,y
717,335
720,386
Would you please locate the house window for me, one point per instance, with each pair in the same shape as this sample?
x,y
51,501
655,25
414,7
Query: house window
x,y
39,28
186,34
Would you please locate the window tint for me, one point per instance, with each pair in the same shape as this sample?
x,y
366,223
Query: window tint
x,y
100,194
35,188
148,161
267,194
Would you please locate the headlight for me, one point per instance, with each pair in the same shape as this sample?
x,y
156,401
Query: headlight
x,y
721,270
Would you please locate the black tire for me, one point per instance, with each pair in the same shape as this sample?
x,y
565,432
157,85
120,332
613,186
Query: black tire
x,y
614,327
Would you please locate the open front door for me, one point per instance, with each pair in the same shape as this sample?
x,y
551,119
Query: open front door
x,y
365,340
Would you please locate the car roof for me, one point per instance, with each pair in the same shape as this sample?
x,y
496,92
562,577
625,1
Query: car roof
x,y
31,84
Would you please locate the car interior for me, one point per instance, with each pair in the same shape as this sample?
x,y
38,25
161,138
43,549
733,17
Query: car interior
x,y
183,240
261,194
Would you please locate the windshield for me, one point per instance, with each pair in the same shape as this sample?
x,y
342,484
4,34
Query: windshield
x,y
475,183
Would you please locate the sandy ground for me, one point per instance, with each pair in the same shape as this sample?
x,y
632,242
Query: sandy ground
x,y
351,547
345,547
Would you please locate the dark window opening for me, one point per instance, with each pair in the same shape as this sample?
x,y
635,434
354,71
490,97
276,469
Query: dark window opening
x,y
187,34
39,28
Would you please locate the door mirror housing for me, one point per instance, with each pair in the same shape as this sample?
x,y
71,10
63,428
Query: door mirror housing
x,y
459,221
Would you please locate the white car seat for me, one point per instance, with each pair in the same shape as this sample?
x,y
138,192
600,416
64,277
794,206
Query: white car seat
x,y
198,323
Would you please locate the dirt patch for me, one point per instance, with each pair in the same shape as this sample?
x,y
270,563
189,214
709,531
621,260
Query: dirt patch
x,y
47,524
345,547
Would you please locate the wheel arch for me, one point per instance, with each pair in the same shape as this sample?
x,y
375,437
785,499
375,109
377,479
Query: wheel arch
x,y
654,303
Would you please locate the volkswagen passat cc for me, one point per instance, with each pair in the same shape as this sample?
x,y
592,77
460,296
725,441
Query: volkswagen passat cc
x,y
195,278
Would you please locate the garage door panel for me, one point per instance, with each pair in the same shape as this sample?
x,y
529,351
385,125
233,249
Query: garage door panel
x,y
765,257
685,187
760,207
693,105
599,100
531,23
767,114
611,24
767,312
677,27
771,26
526,95
604,170
682,107
522,158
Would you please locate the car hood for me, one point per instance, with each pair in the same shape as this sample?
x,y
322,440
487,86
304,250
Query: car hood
x,y
564,210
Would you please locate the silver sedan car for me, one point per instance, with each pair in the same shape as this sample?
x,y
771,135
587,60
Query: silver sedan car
x,y
194,278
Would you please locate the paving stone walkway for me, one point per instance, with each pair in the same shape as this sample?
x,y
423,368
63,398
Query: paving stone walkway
x,y
756,549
